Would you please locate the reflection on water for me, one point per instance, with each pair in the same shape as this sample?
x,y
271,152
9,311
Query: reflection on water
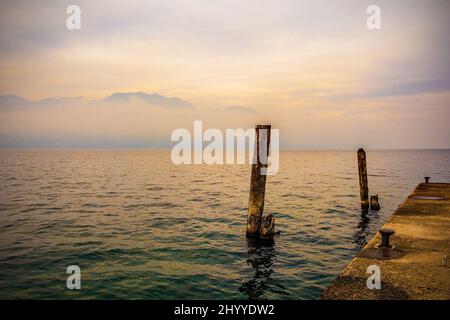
x,y
360,236
366,226
261,255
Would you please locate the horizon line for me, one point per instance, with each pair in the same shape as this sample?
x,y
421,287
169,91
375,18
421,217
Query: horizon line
x,y
168,149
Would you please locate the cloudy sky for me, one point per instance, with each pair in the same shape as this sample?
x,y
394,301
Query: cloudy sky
x,y
311,68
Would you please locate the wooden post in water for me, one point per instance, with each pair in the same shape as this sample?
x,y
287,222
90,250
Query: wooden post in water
x,y
363,186
374,203
258,181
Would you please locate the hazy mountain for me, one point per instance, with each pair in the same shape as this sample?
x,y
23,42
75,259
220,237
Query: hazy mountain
x,y
57,100
11,100
153,99
119,97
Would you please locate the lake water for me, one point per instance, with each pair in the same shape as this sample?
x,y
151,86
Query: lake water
x,y
140,227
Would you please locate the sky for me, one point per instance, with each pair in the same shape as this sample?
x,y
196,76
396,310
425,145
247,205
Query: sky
x,y
310,68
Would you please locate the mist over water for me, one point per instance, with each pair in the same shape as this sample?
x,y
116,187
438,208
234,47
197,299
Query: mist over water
x,y
141,227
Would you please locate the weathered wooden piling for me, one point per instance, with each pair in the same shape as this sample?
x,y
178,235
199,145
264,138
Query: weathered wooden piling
x,y
267,229
374,204
258,180
363,186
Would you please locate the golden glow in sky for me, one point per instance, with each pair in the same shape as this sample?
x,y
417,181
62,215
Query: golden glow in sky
x,y
312,68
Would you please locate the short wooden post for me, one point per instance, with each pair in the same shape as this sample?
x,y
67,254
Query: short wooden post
x,y
374,203
258,182
363,186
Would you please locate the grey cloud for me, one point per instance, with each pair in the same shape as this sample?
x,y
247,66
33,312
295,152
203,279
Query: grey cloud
x,y
239,109
402,89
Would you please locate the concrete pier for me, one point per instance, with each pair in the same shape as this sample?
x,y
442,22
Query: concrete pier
x,y
417,266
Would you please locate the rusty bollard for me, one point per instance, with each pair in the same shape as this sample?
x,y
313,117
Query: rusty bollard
x,y
385,234
427,179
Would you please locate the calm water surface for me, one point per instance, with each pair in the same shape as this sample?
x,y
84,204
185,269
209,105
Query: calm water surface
x,y
140,227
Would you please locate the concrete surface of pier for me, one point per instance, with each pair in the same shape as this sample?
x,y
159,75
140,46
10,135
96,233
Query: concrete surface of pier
x,y
418,269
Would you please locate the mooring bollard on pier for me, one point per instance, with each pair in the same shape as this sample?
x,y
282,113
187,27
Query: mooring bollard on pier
x,y
363,186
386,233
258,185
